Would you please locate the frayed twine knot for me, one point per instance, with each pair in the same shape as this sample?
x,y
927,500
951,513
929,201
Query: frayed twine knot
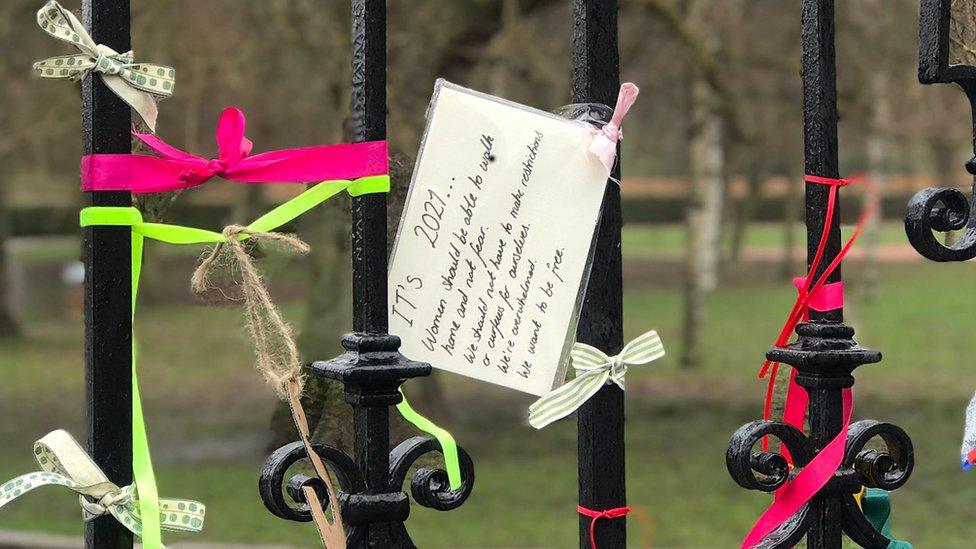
x,y
273,338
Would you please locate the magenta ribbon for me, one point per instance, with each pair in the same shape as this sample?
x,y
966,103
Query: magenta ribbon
x,y
796,493
828,297
604,144
174,169
814,476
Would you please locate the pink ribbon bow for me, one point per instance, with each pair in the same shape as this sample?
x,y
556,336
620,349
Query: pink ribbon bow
x,y
174,169
604,144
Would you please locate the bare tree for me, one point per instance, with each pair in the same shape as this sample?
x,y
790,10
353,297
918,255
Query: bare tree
x,y
706,158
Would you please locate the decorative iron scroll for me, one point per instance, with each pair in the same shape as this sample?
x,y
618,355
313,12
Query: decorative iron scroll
x,y
372,370
947,43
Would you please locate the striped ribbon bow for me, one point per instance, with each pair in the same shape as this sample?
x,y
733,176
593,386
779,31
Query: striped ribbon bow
x,y
594,369
138,84
64,463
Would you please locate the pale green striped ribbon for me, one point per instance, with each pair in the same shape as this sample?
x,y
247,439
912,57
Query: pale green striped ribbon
x,y
594,369
138,84
65,463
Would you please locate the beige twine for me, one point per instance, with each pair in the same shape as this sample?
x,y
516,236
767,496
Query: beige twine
x,y
277,355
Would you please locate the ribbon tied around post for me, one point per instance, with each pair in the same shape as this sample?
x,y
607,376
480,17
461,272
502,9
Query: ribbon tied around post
x,y
616,512
175,169
138,84
65,463
594,369
604,145
813,293
277,355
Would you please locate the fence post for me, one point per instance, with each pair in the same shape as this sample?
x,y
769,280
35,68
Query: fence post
x,y
596,79
106,127
374,505
824,354
944,209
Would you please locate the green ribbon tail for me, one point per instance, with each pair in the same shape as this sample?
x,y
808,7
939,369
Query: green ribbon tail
x,y
448,445
142,468
176,234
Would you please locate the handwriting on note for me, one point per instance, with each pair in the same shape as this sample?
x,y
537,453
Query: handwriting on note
x,y
492,253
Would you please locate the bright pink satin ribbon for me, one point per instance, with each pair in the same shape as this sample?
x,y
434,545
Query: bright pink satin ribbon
x,y
174,169
828,297
822,297
795,494
604,144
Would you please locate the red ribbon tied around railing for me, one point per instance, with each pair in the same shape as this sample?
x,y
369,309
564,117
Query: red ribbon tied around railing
x,y
813,293
174,169
616,512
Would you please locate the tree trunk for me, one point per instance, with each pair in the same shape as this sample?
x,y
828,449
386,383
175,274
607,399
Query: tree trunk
x,y
704,218
791,209
876,143
746,209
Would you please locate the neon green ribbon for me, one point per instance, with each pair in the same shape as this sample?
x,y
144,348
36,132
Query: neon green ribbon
x,y
175,234
444,438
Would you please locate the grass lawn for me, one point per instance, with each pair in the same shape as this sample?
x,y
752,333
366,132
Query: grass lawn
x,y
208,415
642,241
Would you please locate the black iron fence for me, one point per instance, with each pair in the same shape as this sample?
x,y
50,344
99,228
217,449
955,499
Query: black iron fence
x,y
372,497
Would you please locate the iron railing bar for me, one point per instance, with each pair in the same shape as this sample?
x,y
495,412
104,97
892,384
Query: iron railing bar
x,y
821,158
369,238
369,249
596,79
820,134
106,127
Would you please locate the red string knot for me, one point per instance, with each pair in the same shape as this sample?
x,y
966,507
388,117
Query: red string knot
x,y
616,512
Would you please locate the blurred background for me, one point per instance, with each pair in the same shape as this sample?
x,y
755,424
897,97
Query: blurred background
x,y
713,206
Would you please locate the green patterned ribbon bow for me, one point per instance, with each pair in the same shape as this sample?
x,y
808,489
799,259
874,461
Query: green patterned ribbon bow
x,y
594,369
64,463
138,84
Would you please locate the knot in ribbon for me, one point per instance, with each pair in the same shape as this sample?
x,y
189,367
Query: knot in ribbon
x,y
174,169
604,145
198,176
616,512
138,84
64,463
94,509
594,369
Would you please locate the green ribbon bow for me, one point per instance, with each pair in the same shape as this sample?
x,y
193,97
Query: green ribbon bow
x,y
594,369
64,463
175,234
138,84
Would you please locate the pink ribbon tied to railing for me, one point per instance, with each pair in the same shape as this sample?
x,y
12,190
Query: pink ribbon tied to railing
x,y
604,144
813,293
175,169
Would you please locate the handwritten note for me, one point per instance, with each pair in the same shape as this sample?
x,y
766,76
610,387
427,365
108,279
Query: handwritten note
x,y
491,258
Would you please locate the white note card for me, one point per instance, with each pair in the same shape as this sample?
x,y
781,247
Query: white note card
x,y
491,257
